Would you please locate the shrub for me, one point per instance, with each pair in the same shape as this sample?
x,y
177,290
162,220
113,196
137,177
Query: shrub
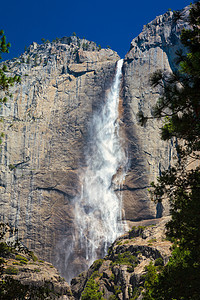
x,y
91,291
136,231
112,278
36,270
97,264
126,242
125,258
21,258
119,242
117,290
130,269
113,297
159,262
11,167
95,274
5,250
11,271
151,241
32,255
16,263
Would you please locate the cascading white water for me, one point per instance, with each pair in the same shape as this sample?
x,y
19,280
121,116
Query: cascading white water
x,y
98,211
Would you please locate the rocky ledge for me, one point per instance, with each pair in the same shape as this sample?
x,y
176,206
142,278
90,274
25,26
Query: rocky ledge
x,y
23,276
121,274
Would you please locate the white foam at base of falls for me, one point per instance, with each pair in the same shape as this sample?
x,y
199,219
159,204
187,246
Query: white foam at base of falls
x,y
98,211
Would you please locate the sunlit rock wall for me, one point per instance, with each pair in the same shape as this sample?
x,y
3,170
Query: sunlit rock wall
x,y
45,126
153,49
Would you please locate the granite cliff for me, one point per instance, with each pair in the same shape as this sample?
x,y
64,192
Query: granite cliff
x,y
155,48
45,126
46,122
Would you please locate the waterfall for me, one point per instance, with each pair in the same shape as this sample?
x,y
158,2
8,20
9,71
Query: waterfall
x,y
98,220
98,212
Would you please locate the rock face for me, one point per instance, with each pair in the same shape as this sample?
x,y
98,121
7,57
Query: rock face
x,y
23,276
120,275
46,122
45,126
153,49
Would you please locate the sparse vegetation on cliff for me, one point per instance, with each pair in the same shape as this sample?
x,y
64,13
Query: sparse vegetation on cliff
x,y
120,275
23,276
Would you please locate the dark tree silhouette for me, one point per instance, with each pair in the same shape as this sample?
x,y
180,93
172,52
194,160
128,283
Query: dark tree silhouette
x,y
179,105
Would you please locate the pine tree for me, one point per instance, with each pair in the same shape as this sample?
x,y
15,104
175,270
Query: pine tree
x,y
5,81
179,105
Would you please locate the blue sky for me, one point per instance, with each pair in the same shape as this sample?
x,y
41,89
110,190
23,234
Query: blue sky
x,y
107,22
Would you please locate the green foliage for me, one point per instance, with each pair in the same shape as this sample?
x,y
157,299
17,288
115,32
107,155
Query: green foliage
x,y
112,277
22,259
44,41
14,289
130,269
151,278
180,107
125,258
16,263
117,290
126,242
159,262
36,270
11,271
32,255
95,274
97,264
178,280
152,241
4,47
5,81
11,167
4,249
136,231
113,297
5,228
91,291
119,243
85,46
136,293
